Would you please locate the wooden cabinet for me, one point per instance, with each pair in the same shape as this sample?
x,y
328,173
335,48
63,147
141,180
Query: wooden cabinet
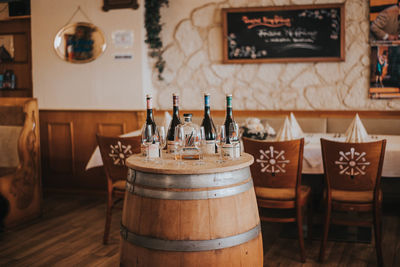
x,y
21,65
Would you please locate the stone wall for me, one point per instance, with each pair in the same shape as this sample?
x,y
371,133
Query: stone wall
x,y
193,56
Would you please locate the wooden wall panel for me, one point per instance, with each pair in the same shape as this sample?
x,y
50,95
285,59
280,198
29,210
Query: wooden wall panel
x,y
111,129
69,138
61,147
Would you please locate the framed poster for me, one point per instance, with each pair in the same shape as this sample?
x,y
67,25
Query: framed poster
x,y
283,34
385,49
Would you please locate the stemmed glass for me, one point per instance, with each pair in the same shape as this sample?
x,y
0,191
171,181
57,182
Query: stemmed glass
x,y
200,143
162,140
233,137
147,140
220,141
179,143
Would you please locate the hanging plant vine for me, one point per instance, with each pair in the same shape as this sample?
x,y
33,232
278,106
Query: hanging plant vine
x,y
153,29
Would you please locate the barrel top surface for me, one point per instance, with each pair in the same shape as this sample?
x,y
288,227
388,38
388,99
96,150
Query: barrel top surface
x,y
169,165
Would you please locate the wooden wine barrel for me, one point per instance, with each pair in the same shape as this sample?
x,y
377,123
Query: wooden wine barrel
x,y
190,215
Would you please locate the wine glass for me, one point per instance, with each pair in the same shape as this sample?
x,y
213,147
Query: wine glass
x,y
162,140
233,137
147,140
179,143
220,141
200,143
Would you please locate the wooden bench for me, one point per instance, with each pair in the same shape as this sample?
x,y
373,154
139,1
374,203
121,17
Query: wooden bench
x,y
20,181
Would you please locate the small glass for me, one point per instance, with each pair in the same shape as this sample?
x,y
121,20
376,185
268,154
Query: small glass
x,y
147,140
179,143
220,141
201,143
162,140
234,139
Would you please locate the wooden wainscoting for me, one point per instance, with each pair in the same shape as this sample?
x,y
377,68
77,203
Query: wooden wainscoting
x,y
68,141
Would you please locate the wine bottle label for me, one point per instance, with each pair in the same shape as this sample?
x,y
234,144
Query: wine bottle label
x,y
210,147
151,150
231,151
171,147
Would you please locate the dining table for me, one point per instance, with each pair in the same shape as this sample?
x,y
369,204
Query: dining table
x,y
312,156
312,163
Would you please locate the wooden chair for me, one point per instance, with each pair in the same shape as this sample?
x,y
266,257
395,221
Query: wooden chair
x,y
352,180
277,179
114,151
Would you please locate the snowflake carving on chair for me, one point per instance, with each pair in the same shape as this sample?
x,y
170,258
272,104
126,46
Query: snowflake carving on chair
x,y
352,162
272,161
119,153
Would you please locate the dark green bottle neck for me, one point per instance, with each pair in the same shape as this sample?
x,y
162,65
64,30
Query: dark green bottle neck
x,y
149,117
175,111
229,113
207,110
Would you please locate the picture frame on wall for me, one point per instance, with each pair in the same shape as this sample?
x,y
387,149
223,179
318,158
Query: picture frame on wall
x,y
384,41
301,33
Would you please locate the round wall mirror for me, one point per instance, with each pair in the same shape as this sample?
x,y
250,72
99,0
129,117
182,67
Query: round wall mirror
x,y
79,42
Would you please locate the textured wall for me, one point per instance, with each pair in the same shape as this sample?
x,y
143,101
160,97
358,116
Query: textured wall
x,y
193,41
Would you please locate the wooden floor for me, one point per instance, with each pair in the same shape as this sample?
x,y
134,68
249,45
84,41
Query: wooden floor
x,y
70,233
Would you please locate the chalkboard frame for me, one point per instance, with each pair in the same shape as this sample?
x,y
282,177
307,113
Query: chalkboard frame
x,y
226,11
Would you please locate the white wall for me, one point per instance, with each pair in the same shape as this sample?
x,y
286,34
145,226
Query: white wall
x,y
101,84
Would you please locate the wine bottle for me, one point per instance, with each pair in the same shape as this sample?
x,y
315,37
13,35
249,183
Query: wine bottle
x,y
174,122
149,132
209,127
229,116
149,116
231,148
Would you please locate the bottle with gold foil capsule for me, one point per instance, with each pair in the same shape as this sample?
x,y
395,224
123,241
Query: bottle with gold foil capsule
x,y
231,149
209,127
149,138
174,122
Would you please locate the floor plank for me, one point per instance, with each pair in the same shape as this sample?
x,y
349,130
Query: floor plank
x,y
70,234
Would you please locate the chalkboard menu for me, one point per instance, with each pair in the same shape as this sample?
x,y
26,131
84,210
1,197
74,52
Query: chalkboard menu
x,y
283,34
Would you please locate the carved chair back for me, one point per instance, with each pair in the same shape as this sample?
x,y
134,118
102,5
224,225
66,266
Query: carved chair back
x,y
353,166
276,164
114,152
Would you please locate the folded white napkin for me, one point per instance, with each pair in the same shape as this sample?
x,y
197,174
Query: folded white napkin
x,y
285,133
269,130
356,132
296,129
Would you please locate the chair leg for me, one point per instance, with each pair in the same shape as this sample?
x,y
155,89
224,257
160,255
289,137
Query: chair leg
x,y
309,219
108,219
326,230
378,233
299,220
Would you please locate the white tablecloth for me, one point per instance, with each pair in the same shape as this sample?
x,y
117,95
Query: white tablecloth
x,y
312,163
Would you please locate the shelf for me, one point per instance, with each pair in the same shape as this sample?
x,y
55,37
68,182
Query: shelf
x,y
19,92
15,62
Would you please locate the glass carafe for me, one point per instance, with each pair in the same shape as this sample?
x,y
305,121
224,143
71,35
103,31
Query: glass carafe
x,y
192,144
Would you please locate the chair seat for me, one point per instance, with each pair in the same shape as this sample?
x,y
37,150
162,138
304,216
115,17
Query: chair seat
x,y
119,185
354,196
285,194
